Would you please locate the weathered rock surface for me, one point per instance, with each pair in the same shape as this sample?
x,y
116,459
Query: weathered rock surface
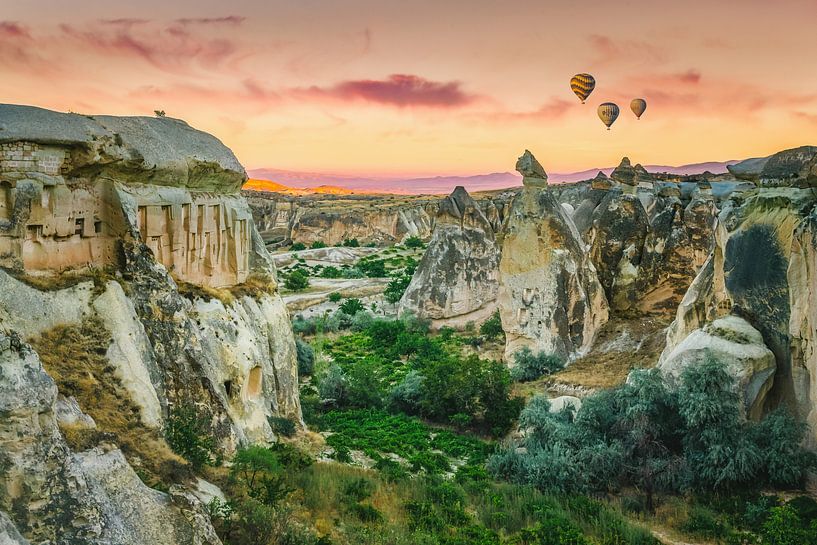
x,y
550,298
457,278
533,175
796,167
55,495
763,269
146,215
734,342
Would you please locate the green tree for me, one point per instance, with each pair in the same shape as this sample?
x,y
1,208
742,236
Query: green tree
x,y
298,246
306,357
296,281
188,435
396,288
414,242
317,245
351,306
529,366
258,469
492,327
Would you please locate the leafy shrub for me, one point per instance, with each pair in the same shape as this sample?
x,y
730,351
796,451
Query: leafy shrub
x,y
408,394
702,522
306,357
335,296
396,288
317,245
333,385
282,426
366,512
331,272
296,281
260,472
784,527
373,268
188,434
414,242
492,327
303,326
352,272
358,490
529,366
351,306
298,246
351,243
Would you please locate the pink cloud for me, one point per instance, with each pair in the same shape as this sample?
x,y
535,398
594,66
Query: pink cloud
x,y
10,29
229,20
401,90
554,108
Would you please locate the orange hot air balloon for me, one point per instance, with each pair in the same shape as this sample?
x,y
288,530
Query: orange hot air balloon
x,y
582,85
638,105
608,113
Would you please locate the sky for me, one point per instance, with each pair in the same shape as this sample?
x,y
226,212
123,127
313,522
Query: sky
x,y
420,88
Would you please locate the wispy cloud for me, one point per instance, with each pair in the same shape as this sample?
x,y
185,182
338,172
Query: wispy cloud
x,y
400,90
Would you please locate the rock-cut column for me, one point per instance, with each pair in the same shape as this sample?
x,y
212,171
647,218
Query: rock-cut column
x,y
550,298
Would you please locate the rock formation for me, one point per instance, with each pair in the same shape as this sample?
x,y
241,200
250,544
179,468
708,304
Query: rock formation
x,y
795,167
549,298
763,269
456,280
135,226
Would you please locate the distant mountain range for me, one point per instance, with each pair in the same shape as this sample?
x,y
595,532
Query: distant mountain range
x,y
313,182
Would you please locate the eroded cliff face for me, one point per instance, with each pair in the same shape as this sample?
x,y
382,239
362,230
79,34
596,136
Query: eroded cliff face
x,y
457,278
550,299
762,269
129,234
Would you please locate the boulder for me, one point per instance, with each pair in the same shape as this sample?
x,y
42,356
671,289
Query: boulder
x,y
558,404
533,175
734,342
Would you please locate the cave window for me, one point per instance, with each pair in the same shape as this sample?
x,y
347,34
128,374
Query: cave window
x,y
80,226
97,227
254,382
228,387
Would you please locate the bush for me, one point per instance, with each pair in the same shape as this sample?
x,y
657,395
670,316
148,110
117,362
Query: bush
x,y
529,366
306,357
351,243
317,245
296,281
373,268
784,527
351,306
702,522
408,394
282,426
298,246
304,326
333,386
396,288
492,327
188,435
331,272
352,272
414,242
335,296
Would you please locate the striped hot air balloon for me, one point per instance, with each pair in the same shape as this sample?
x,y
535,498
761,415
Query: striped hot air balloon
x,y
638,105
582,85
608,113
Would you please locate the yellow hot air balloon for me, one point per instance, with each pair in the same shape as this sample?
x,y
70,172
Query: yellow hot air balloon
x,y
582,85
608,113
638,105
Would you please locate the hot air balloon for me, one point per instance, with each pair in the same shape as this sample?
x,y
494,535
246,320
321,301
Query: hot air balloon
x,y
608,113
638,105
582,85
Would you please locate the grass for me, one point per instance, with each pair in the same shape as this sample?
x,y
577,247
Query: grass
x,y
67,279
256,285
74,356
378,433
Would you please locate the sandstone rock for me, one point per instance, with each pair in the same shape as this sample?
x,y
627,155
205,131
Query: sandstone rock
x,y
796,167
457,278
68,414
8,533
533,175
627,174
734,342
601,181
558,404
620,226
92,497
549,298
151,150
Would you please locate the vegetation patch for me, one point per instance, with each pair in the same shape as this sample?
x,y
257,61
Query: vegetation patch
x,y
74,356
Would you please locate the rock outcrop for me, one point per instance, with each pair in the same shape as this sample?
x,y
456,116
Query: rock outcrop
x,y
763,269
550,298
796,167
734,342
457,278
137,226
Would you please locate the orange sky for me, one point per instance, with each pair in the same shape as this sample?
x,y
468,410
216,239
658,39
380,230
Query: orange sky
x,y
385,87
